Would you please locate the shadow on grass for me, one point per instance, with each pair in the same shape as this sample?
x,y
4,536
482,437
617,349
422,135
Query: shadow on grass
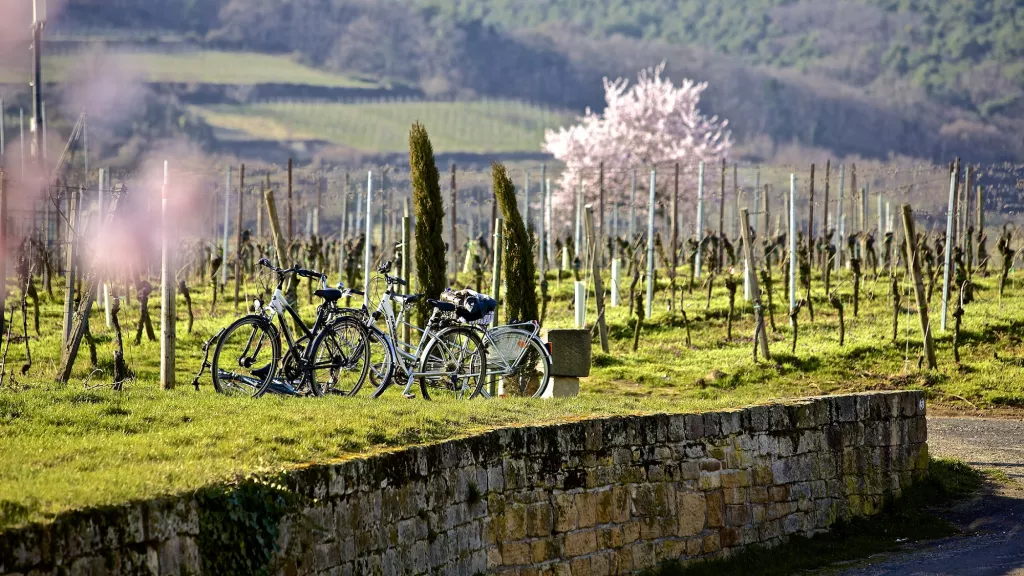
x,y
788,362
903,520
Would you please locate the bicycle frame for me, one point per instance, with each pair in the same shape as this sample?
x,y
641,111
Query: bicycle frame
x,y
406,360
279,307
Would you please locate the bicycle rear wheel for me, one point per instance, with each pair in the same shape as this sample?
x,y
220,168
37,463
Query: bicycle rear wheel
x,y
453,365
530,371
246,357
339,358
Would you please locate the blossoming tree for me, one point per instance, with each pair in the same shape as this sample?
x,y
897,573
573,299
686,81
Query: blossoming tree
x,y
651,123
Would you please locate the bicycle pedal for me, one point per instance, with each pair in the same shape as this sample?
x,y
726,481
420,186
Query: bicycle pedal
x,y
409,395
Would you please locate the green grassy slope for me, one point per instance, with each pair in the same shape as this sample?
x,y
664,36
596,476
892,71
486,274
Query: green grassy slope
x,y
199,67
383,127
67,446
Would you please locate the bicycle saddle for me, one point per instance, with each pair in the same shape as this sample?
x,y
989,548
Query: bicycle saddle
x,y
407,298
328,294
442,306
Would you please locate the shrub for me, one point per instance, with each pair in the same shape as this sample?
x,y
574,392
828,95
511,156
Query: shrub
x,y
431,257
520,275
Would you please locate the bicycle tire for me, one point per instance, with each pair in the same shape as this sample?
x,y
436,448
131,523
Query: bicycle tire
x,y
382,368
258,382
338,358
440,350
528,360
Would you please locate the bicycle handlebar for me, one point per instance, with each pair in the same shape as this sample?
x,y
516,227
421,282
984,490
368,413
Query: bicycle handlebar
x,y
282,272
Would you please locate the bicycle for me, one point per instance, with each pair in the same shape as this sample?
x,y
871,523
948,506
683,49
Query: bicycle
x,y
518,361
448,361
337,346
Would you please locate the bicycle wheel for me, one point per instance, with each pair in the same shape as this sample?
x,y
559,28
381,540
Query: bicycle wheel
x,y
339,358
454,365
246,357
382,361
530,369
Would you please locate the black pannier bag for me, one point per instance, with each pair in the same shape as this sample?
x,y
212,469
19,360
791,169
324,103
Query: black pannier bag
x,y
470,305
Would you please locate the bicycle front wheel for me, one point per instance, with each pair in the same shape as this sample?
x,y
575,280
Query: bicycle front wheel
x,y
246,357
383,363
453,365
339,358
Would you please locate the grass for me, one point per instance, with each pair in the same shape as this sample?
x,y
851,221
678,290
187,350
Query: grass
x,y
198,67
383,126
81,444
906,520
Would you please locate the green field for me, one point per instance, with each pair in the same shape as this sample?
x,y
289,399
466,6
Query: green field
x,y
193,67
81,444
383,126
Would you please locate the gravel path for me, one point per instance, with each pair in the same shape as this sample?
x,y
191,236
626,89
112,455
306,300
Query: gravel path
x,y
992,543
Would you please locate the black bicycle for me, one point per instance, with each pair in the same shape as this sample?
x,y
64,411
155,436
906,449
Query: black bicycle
x,y
331,357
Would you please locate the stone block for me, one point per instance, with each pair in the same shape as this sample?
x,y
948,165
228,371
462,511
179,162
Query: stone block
x,y
516,554
570,352
730,537
735,495
737,514
692,508
562,387
694,427
601,565
579,543
580,566
716,509
565,512
712,543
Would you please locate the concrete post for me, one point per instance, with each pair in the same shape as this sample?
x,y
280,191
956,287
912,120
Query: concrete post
x,y
700,220
792,245
840,221
650,246
366,244
615,282
499,250
167,290
227,218
948,260
632,209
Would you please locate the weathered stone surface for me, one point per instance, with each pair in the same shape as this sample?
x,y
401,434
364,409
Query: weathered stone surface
x,y
611,496
562,387
570,352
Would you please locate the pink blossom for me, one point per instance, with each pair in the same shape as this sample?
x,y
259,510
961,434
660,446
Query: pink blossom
x,y
651,123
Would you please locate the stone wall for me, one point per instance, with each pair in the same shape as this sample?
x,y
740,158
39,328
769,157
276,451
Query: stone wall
x,y
607,496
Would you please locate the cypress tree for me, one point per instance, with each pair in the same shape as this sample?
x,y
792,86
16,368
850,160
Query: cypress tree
x,y
520,283
431,257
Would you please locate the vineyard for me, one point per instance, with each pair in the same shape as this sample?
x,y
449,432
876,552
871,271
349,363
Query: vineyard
x,y
382,126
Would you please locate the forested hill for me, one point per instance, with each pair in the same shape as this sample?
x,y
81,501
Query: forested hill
x,y
964,53
926,78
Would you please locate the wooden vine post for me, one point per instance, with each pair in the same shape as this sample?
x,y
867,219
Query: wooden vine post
x,y
79,325
72,257
3,256
760,334
275,229
594,247
810,243
919,294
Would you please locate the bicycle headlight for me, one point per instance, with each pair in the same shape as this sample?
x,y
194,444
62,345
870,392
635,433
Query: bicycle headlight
x,y
257,305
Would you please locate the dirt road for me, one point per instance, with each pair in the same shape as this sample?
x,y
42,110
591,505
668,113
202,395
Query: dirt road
x,y
993,542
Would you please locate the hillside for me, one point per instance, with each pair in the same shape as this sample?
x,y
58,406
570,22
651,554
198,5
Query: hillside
x,y
875,78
